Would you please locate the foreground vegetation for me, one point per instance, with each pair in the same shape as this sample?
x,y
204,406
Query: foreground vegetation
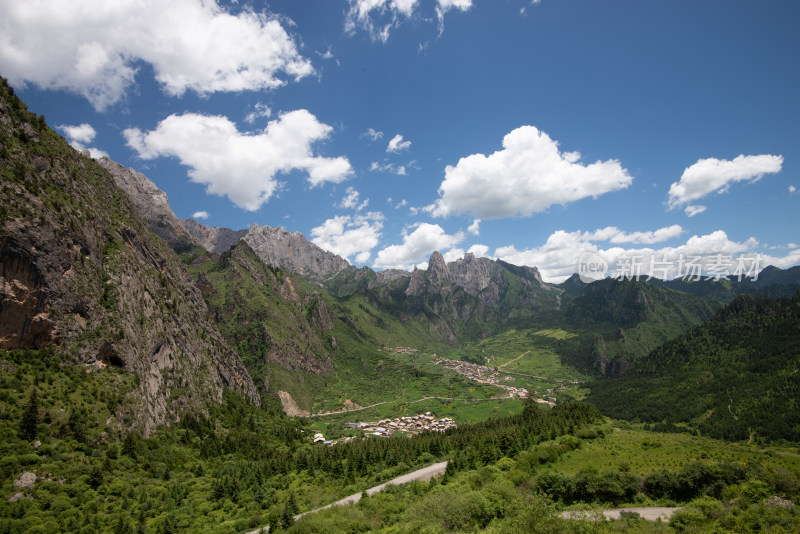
x,y
236,468
242,467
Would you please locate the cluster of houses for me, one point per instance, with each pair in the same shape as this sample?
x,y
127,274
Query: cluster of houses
x,y
401,350
411,425
482,375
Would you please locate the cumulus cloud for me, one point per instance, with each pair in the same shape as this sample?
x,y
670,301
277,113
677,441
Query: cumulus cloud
x,y
615,235
557,259
416,247
81,135
479,250
347,235
712,174
351,200
380,17
694,209
241,166
527,176
475,227
200,215
397,144
259,110
95,47
453,254
792,189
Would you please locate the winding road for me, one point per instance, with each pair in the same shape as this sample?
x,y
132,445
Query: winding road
x,y
649,513
421,475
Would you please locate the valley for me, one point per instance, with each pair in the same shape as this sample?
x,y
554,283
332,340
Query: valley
x,y
159,376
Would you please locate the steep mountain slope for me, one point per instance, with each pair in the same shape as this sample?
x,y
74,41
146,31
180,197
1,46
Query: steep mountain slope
x,y
733,377
474,297
770,282
81,270
260,311
213,238
620,321
151,202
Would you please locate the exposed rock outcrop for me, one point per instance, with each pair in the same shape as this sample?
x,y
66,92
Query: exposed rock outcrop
x,y
212,238
151,202
293,252
81,270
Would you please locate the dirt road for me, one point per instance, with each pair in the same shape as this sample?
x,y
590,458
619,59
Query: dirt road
x,y
422,475
650,513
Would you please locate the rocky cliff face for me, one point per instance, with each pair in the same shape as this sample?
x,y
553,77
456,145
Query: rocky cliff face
x,y
151,202
291,251
275,246
82,271
473,296
212,238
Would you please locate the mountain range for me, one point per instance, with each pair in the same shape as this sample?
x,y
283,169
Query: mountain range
x,y
94,261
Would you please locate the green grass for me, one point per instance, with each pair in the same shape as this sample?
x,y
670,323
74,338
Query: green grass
x,y
524,351
555,333
645,452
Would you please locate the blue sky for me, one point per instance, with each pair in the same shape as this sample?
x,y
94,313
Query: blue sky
x,y
386,129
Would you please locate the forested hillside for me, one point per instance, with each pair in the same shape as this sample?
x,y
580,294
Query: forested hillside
x,y
734,377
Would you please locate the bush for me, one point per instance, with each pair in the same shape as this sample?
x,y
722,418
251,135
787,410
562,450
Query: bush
x,y
686,519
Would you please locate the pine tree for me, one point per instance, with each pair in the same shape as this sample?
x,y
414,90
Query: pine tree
x,y
287,519
30,417
291,504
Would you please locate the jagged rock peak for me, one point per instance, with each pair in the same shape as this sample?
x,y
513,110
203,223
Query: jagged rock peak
x,y
471,273
437,268
212,238
293,252
151,201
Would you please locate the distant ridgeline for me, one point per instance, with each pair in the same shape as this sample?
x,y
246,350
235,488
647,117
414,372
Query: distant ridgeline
x,y
734,377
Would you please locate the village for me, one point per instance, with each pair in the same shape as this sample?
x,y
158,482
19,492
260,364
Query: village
x,y
483,375
410,425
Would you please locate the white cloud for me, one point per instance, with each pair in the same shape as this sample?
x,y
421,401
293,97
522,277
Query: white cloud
x,y
380,17
712,174
416,247
453,254
365,14
527,176
792,189
399,170
475,227
79,136
443,6
198,215
351,200
259,110
347,235
373,134
557,258
83,133
396,144
694,209
479,250
446,5
94,47
617,236
242,167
